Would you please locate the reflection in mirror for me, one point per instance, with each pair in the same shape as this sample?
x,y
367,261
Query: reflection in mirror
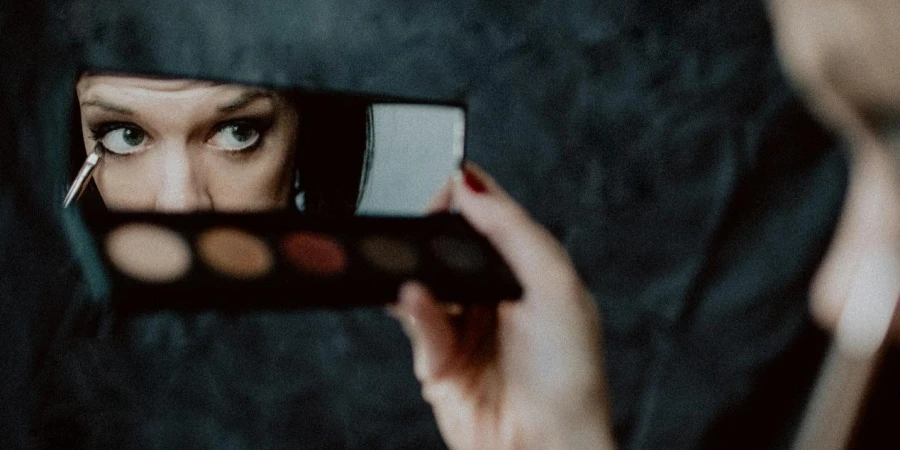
x,y
176,145
416,148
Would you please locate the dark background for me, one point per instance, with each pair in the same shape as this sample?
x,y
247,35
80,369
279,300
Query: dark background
x,y
656,139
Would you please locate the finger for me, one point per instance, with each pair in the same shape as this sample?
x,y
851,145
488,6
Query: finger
x,y
532,253
443,200
433,338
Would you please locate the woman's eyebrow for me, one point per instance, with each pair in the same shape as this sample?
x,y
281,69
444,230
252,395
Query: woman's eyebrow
x,y
108,107
244,100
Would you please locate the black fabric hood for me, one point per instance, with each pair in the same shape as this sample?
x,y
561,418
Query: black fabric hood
x,y
423,53
417,50
656,139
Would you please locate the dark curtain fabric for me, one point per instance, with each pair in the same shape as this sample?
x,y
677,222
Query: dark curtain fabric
x,y
656,139
32,253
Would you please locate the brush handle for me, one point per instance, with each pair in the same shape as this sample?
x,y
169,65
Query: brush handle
x,y
83,177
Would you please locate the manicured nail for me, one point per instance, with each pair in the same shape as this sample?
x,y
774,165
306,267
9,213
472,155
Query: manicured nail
x,y
473,182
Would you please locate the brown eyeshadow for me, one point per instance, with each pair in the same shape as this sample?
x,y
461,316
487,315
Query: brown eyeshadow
x,y
459,254
148,252
235,253
390,254
314,253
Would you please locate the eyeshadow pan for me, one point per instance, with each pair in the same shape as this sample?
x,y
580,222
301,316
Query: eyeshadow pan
x,y
235,253
148,252
459,254
389,254
315,253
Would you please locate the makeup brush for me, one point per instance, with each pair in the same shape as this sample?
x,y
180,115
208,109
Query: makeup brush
x,y
83,177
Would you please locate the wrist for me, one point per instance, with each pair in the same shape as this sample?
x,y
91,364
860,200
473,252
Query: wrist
x,y
590,430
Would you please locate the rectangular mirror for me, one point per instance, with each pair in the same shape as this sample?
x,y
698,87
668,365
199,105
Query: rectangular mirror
x,y
204,195
145,144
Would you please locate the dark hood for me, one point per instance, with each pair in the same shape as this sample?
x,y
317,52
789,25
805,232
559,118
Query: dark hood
x,y
656,139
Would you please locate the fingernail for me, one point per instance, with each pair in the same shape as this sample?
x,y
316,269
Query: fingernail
x,y
473,182
869,309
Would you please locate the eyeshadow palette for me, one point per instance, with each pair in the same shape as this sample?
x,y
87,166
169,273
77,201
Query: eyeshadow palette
x,y
236,262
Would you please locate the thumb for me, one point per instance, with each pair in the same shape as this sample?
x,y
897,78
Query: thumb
x,y
429,330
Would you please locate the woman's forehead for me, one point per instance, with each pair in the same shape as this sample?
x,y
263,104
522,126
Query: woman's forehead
x,y
115,84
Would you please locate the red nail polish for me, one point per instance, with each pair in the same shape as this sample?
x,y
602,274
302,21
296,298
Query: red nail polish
x,y
473,183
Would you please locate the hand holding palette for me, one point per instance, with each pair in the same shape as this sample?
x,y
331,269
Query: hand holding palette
x,y
279,261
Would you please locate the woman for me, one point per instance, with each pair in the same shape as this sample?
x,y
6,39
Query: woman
x,y
175,145
528,373
844,58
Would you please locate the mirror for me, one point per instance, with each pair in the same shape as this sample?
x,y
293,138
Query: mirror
x,y
154,150
180,145
417,147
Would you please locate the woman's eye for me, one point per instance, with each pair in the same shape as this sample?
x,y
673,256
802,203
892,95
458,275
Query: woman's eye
x,y
236,137
123,140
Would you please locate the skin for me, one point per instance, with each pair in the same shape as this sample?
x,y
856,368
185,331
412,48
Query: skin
x,y
844,56
187,145
527,374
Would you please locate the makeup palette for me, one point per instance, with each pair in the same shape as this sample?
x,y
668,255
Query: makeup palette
x,y
235,262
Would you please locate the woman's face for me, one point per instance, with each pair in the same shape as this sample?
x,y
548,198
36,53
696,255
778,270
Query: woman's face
x,y
184,145
844,55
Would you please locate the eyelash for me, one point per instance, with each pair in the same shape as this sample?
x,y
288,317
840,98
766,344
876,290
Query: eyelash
x,y
98,132
261,127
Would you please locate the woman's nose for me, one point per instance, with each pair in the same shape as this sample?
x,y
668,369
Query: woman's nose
x,y
181,187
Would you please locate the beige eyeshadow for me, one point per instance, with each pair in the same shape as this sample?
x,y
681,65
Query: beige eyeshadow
x,y
235,253
148,252
390,254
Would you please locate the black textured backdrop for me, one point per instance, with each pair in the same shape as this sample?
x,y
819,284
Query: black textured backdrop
x,y
656,139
